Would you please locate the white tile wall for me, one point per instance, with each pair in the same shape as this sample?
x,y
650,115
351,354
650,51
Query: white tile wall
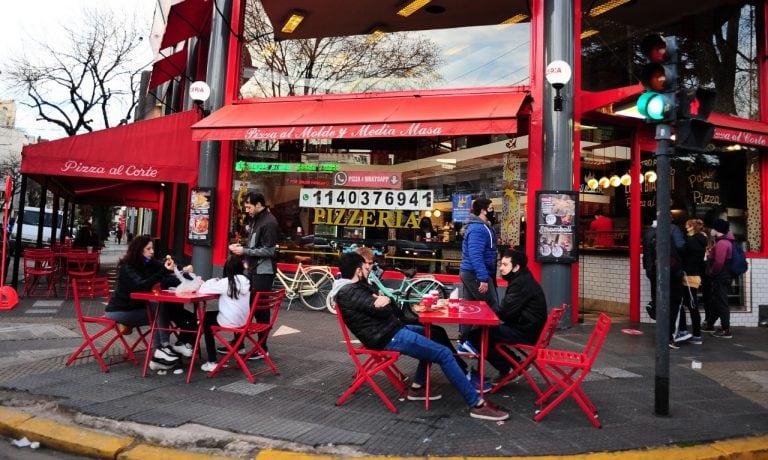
x,y
607,278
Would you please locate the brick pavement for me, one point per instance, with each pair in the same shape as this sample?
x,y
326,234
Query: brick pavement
x,y
726,398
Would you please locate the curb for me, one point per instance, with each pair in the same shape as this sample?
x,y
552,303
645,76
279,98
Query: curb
x,y
80,441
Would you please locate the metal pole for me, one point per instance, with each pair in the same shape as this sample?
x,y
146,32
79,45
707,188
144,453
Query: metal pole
x,y
663,237
210,151
557,172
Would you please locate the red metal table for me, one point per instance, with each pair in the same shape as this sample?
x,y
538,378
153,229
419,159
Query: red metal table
x,y
474,312
199,302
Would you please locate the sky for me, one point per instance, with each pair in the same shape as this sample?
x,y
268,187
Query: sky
x,y
40,20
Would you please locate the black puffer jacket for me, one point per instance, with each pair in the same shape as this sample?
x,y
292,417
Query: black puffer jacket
x,y
524,307
131,278
374,327
693,254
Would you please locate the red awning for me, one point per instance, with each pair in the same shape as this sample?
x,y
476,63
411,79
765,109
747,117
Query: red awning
x,y
156,150
170,67
349,116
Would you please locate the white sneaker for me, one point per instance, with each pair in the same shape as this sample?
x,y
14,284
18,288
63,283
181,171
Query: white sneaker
x,y
184,349
165,355
682,336
209,366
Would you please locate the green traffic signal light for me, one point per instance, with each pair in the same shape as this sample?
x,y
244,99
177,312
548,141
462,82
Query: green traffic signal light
x,y
656,106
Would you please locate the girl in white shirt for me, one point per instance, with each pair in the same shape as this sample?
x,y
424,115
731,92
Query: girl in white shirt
x,y
234,304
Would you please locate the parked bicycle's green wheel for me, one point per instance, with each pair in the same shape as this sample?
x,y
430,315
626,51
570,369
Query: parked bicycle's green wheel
x,y
420,287
316,295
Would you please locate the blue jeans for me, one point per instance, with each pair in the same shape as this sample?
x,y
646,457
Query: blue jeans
x,y
410,340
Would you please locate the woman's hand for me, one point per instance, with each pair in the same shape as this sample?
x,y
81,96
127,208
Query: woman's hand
x,y
170,265
236,249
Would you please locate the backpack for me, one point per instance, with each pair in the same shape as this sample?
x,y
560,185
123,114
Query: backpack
x,y
739,263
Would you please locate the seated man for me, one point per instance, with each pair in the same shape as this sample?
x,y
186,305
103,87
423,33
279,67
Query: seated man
x,y
523,311
371,319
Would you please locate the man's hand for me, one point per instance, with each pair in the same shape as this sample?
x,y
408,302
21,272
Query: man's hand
x,y
483,287
381,301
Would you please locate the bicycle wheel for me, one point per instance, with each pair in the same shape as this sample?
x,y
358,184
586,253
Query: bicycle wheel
x,y
329,305
315,296
421,287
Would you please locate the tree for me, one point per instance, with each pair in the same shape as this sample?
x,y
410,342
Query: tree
x,y
86,81
335,64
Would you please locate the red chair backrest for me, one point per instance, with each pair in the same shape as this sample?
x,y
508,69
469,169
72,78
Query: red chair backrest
x,y
266,300
39,258
599,333
553,320
82,261
92,288
345,331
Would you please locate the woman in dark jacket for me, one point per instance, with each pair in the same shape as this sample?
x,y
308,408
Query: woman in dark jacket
x,y
138,271
694,267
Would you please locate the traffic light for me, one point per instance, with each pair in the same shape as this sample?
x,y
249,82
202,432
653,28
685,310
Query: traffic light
x,y
658,103
693,108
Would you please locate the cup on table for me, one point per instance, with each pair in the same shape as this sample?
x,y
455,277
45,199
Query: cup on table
x,y
453,305
89,249
156,289
428,300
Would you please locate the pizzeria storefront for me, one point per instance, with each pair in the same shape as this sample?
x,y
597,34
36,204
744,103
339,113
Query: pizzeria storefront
x,y
366,157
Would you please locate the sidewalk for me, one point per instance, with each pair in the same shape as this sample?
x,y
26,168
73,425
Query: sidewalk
x,y
726,399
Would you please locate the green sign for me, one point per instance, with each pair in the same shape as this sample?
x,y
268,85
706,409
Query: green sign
x,y
286,167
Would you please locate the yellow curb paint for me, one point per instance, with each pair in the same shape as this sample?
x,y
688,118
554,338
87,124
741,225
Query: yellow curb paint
x,y
270,454
147,452
10,419
745,448
67,438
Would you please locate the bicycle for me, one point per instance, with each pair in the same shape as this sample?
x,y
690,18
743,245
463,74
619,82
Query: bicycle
x,y
410,291
311,284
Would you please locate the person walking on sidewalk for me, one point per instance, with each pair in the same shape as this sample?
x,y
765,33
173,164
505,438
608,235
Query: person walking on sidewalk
x,y
693,269
649,264
234,305
523,311
370,318
260,254
718,262
138,270
478,258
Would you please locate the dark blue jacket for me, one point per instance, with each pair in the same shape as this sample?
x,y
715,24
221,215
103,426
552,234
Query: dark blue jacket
x,y
478,249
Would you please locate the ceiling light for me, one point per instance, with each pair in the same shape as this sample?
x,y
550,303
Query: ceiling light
x,y
615,180
592,183
650,176
446,160
514,19
606,6
436,213
604,182
427,213
626,179
412,7
293,21
588,33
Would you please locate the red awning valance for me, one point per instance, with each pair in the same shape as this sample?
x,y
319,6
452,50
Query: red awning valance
x,y
401,114
157,150
167,68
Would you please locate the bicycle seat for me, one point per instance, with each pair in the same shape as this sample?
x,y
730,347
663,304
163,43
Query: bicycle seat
x,y
303,259
408,272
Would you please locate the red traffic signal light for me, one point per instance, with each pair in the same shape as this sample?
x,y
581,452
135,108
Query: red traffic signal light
x,y
693,108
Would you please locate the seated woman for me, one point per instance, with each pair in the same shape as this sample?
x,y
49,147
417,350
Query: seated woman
x,y
138,271
234,304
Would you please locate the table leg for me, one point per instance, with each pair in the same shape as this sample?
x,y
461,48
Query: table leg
x,y
151,337
427,334
200,310
483,351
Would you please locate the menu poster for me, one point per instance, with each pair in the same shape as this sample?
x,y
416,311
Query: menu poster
x,y
556,233
200,216
462,206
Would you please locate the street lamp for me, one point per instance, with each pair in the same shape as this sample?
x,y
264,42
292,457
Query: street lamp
x,y
558,73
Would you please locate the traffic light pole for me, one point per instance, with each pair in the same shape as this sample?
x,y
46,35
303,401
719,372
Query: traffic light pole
x,y
664,150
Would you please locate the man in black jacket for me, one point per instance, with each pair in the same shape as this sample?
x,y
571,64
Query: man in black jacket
x,y
523,311
371,319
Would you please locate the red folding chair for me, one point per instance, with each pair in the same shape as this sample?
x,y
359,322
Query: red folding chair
x,y
565,370
530,352
94,288
376,361
39,264
80,266
262,301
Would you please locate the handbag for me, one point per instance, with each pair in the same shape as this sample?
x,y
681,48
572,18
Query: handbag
x,y
692,281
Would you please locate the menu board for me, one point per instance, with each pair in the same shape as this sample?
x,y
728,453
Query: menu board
x,y
556,233
200,216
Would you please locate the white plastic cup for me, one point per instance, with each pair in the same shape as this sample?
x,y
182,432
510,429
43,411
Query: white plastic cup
x,y
89,249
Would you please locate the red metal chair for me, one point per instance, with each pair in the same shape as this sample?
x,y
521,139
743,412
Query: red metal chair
x,y
39,264
262,301
98,288
530,352
565,370
376,361
80,266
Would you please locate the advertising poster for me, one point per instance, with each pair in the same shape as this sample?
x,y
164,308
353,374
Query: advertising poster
x,y
556,233
462,206
200,216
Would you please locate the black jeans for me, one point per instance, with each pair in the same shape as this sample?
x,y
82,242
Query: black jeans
x,y
501,333
262,283
719,300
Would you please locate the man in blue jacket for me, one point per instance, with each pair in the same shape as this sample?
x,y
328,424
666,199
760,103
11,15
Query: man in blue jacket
x,y
478,255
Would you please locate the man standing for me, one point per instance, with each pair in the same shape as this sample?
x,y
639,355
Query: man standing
x,y
478,255
523,311
261,253
718,261
371,319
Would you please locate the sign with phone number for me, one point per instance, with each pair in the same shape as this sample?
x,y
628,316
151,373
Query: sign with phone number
x,y
409,200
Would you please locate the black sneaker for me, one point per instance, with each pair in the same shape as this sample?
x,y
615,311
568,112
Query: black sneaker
x,y
255,357
722,334
651,310
673,345
224,350
706,327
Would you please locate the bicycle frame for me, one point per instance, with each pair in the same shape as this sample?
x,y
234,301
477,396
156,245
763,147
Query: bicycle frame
x,y
305,283
407,286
